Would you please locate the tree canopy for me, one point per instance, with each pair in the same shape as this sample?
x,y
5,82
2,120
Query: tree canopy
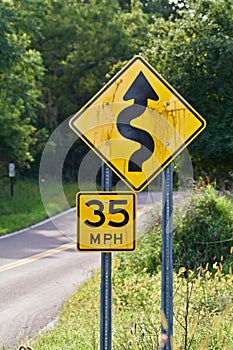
x,y
81,42
56,54
195,54
21,69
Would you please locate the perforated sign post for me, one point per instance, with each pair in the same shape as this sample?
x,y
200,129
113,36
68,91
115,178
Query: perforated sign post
x,y
137,124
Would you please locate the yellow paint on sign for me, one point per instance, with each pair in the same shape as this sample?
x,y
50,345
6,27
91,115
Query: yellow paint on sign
x,y
137,123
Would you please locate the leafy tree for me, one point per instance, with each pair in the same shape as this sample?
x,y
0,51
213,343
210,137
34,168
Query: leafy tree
x,y
125,4
58,38
194,53
82,40
159,8
20,70
163,8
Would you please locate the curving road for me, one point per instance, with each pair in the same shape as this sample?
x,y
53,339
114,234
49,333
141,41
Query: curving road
x,y
40,268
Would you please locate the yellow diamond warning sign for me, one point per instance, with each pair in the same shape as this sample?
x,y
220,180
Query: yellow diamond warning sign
x,y
137,123
106,221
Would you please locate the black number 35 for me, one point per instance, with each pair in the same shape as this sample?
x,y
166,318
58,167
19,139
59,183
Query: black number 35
x,y
113,209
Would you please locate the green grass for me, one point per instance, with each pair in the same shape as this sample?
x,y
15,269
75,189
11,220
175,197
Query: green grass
x,y
25,207
136,313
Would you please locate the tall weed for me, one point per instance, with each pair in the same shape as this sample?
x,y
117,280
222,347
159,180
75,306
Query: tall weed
x,y
203,313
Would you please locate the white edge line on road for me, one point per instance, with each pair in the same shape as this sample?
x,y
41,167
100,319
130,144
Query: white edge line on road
x,y
7,235
36,225
45,253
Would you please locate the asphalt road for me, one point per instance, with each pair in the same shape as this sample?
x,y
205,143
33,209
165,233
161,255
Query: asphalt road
x,y
40,268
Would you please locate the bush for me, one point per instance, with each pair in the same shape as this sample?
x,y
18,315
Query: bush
x,y
203,234
147,257
204,231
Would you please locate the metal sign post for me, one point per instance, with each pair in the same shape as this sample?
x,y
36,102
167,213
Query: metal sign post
x,y
106,275
167,273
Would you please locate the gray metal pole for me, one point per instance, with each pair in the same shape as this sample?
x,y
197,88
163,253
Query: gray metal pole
x,y
12,186
106,274
167,270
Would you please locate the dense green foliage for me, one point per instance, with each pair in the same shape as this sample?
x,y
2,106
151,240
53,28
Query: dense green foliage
x,y
204,231
80,44
195,53
21,69
203,234
148,255
56,54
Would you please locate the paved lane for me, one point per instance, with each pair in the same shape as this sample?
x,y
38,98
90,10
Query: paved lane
x,y
40,268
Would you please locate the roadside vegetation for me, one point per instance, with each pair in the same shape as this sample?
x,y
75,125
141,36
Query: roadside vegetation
x,y
55,56
203,259
202,314
25,207
203,298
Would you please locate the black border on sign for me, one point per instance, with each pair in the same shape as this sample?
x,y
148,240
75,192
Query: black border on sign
x,y
94,193
170,88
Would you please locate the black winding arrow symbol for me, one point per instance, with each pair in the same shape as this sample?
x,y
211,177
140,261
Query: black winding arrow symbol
x,y
140,91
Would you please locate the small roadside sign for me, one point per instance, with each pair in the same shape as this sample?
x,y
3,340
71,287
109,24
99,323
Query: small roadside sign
x,y
11,169
106,221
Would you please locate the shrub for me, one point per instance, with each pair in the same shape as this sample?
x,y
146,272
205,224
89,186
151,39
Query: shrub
x,y
204,231
147,257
